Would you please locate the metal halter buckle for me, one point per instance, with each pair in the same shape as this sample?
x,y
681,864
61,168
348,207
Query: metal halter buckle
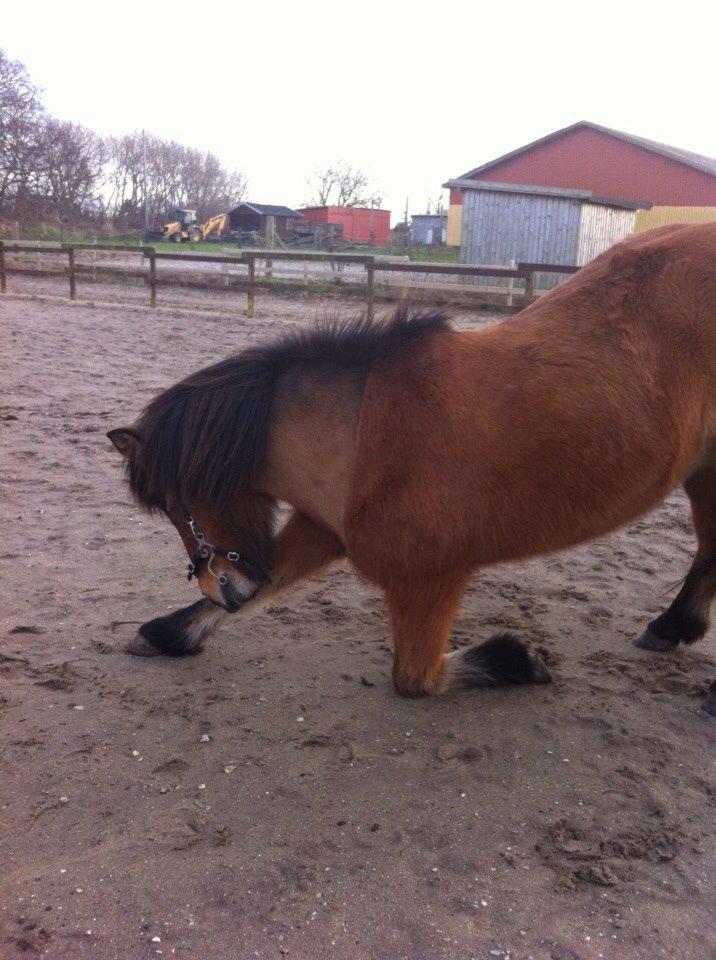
x,y
205,550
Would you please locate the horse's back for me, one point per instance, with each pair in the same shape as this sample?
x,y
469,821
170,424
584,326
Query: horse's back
x,y
558,424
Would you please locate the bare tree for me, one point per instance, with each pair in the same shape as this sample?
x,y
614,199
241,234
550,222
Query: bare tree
x,y
124,179
438,204
21,115
176,176
322,185
70,169
52,168
342,185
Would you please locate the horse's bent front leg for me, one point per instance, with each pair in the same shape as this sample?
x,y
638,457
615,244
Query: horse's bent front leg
x,y
179,633
301,549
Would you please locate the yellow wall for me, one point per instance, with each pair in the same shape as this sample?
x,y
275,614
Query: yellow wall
x,y
661,216
454,225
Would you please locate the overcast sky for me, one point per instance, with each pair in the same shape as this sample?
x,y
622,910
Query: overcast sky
x,y
414,93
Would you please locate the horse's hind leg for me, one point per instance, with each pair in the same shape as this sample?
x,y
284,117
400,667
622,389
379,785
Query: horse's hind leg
x,y
422,614
687,619
301,549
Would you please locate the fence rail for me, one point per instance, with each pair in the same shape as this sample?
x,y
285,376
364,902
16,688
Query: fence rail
x,y
249,258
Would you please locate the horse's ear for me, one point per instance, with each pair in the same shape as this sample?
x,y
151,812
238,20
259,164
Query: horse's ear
x,y
126,441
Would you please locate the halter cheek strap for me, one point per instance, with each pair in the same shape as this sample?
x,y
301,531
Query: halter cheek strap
x,y
205,550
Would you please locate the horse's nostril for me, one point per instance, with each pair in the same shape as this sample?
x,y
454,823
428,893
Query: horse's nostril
x,y
229,593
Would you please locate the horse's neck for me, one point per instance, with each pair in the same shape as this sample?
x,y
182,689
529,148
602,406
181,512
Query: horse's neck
x,y
312,441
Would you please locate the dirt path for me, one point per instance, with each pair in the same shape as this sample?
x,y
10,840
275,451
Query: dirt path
x,y
273,797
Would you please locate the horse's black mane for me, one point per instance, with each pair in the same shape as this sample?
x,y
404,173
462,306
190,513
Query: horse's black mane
x,y
204,437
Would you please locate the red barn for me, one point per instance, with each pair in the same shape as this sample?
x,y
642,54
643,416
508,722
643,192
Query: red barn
x,y
609,163
360,224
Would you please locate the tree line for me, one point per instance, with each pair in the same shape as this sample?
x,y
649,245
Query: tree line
x,y
57,171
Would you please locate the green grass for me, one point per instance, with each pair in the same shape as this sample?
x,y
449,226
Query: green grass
x,y
435,254
218,249
418,254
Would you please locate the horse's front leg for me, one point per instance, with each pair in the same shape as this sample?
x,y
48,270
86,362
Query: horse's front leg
x,y
179,633
301,549
422,614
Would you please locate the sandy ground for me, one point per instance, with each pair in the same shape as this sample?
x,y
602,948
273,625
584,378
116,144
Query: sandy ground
x,y
273,797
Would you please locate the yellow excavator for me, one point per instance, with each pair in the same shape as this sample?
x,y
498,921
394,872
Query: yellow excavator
x,y
184,228
215,225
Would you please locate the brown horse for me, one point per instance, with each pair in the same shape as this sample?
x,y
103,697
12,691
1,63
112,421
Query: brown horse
x,y
423,453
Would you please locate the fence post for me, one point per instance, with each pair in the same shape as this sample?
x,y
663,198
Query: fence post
x,y
370,288
152,276
251,295
3,281
511,284
71,265
530,285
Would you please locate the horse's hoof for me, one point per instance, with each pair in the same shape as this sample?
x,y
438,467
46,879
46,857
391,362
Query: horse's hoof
x,y
649,641
139,646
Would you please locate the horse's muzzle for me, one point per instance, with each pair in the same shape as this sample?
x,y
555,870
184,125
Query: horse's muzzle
x,y
232,597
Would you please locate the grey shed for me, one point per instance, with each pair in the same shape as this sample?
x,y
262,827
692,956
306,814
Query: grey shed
x,y
505,222
427,229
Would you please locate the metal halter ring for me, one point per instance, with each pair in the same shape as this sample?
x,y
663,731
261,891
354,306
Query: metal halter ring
x,y
205,550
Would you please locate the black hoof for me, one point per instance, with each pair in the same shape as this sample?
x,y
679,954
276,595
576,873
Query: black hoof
x,y
649,641
139,646
499,660
175,635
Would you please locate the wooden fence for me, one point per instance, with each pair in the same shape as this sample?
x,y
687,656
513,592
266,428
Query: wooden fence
x,y
371,264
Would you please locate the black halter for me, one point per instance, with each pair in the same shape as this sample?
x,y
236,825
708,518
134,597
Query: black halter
x,y
205,550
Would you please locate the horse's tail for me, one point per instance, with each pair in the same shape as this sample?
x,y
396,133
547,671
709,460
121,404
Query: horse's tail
x,y
502,659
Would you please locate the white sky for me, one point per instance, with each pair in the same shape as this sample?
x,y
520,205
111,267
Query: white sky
x,y
414,93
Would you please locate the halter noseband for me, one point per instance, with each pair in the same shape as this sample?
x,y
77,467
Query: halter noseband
x,y
206,550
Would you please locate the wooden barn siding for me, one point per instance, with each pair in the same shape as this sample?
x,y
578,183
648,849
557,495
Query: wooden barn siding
x,y
500,227
600,228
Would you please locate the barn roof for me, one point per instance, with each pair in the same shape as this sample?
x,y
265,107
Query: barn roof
x,y
497,187
266,210
695,160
